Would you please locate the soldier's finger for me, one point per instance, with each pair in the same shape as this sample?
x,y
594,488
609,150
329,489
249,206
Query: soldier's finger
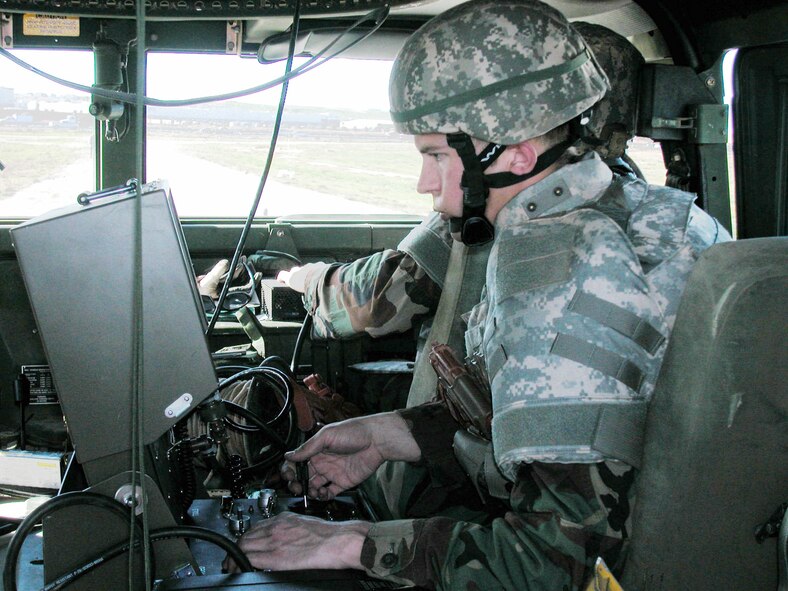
x,y
310,448
288,471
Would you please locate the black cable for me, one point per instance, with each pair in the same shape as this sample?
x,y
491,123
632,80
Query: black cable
x,y
277,362
251,372
6,527
292,441
306,325
206,535
22,397
280,254
166,533
22,428
235,426
37,515
268,161
282,379
379,15
258,422
284,387
138,417
231,369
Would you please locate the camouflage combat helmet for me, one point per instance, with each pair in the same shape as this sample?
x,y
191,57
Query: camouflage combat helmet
x,y
614,119
504,71
499,70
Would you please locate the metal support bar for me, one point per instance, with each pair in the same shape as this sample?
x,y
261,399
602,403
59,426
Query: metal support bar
x,y
677,123
707,124
233,43
711,124
6,31
130,188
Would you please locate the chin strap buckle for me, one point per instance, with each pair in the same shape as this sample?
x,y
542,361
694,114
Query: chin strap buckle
x,y
473,227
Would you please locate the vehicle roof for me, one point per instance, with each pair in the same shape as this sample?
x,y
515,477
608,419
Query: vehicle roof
x,y
688,32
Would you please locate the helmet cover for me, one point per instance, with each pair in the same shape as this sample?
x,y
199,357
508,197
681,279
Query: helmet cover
x,y
503,71
614,119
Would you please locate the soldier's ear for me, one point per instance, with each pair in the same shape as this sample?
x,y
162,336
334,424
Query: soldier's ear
x,y
524,157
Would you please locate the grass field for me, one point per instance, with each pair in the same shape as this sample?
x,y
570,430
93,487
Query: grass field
x,y
364,167
31,155
383,172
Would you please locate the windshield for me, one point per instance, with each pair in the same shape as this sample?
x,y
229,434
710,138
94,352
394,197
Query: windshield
x,y
337,151
46,133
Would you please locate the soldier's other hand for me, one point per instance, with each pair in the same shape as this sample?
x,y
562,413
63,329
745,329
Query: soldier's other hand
x,y
296,278
342,455
208,284
294,542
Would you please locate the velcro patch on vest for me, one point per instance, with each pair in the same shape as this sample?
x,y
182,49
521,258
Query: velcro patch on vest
x,y
534,260
597,358
624,322
614,430
496,361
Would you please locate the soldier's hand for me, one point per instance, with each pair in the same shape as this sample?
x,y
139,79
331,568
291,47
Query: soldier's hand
x,y
208,284
293,542
296,278
343,455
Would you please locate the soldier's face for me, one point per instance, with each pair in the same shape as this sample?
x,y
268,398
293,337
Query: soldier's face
x,y
441,172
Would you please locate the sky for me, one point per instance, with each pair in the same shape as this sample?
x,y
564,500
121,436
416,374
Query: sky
x,y
171,76
334,84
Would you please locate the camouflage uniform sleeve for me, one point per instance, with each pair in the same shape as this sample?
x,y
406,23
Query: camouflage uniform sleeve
x,y
562,517
381,294
433,429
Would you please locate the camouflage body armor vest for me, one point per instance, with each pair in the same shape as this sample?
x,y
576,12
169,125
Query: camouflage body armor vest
x,y
579,301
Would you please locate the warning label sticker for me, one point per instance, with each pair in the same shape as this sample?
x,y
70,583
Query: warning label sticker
x,y
42,387
48,25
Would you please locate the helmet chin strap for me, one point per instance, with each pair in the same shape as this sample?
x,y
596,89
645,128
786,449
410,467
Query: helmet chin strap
x,y
473,227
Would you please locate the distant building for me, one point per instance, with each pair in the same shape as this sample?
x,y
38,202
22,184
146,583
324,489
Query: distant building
x,y
368,124
6,97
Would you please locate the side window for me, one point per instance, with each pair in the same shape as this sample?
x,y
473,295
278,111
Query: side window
x,y
647,155
337,151
728,81
46,133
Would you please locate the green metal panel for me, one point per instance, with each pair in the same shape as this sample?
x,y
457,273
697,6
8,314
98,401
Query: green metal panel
x,y
761,140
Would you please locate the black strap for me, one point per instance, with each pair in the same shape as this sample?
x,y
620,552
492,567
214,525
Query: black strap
x,y
622,321
474,228
490,154
499,180
597,358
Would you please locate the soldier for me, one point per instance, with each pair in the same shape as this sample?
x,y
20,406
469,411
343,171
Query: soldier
x,y
394,290
582,284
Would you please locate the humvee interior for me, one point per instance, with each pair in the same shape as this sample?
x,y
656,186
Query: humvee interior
x,y
264,138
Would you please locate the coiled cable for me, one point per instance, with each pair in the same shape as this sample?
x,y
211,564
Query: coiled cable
x,y
185,462
235,464
166,533
71,499
239,401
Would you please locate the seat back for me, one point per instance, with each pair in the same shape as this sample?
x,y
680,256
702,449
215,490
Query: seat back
x,y
715,462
